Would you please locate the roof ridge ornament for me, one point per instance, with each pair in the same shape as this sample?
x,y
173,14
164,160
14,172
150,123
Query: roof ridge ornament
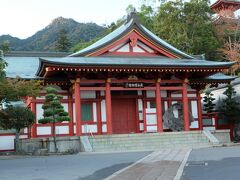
x,y
132,15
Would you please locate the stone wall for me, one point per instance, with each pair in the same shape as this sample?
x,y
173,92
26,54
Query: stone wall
x,y
64,144
222,135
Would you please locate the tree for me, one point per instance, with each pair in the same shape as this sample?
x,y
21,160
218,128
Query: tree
x,y
62,43
5,46
187,26
230,108
208,99
229,33
3,65
53,111
16,89
16,118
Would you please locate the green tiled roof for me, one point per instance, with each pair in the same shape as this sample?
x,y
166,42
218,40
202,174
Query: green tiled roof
x,y
131,24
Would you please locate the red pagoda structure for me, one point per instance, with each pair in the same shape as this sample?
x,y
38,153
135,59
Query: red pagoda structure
x,y
226,8
125,83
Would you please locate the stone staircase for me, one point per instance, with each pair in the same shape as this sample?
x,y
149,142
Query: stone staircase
x,y
148,141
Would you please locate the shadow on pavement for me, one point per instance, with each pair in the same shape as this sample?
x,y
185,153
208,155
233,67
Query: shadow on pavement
x,y
105,172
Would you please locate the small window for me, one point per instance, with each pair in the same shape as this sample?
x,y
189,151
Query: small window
x,y
87,112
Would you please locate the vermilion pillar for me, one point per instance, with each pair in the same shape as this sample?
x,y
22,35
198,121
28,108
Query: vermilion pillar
x,y
70,112
108,107
199,105
34,126
78,107
185,106
159,107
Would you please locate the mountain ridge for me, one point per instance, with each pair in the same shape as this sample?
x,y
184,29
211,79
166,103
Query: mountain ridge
x,y
45,39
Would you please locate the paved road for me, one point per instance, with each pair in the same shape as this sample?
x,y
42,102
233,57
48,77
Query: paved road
x,y
69,167
159,165
213,164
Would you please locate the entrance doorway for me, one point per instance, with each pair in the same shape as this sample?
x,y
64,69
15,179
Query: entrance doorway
x,y
124,115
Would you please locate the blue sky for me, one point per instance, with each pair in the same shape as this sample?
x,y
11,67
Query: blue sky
x,y
22,18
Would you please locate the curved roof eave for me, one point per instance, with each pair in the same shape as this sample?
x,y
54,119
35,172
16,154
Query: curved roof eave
x,y
132,61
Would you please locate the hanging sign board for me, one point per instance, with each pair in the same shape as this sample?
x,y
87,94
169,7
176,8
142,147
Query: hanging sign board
x,y
134,85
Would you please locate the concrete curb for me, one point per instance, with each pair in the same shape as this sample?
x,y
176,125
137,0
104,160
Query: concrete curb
x,y
180,169
124,169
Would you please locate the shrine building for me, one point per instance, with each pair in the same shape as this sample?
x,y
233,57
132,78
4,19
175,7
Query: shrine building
x,y
124,83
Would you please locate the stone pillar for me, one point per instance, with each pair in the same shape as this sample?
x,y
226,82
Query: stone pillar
x,y
185,106
108,106
159,107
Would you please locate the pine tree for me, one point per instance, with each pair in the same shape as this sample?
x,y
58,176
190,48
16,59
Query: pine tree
x,y
209,106
230,108
62,44
53,111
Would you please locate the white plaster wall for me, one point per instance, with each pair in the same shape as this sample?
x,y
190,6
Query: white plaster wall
x,y
165,105
65,106
23,136
86,128
7,142
25,130
151,128
175,111
145,47
137,49
39,112
194,124
194,109
74,129
104,128
116,47
103,110
151,110
151,119
94,112
140,109
62,129
44,130
141,126
125,48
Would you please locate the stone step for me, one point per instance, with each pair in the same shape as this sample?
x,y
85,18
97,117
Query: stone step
x,y
145,144
149,148
149,142
147,139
